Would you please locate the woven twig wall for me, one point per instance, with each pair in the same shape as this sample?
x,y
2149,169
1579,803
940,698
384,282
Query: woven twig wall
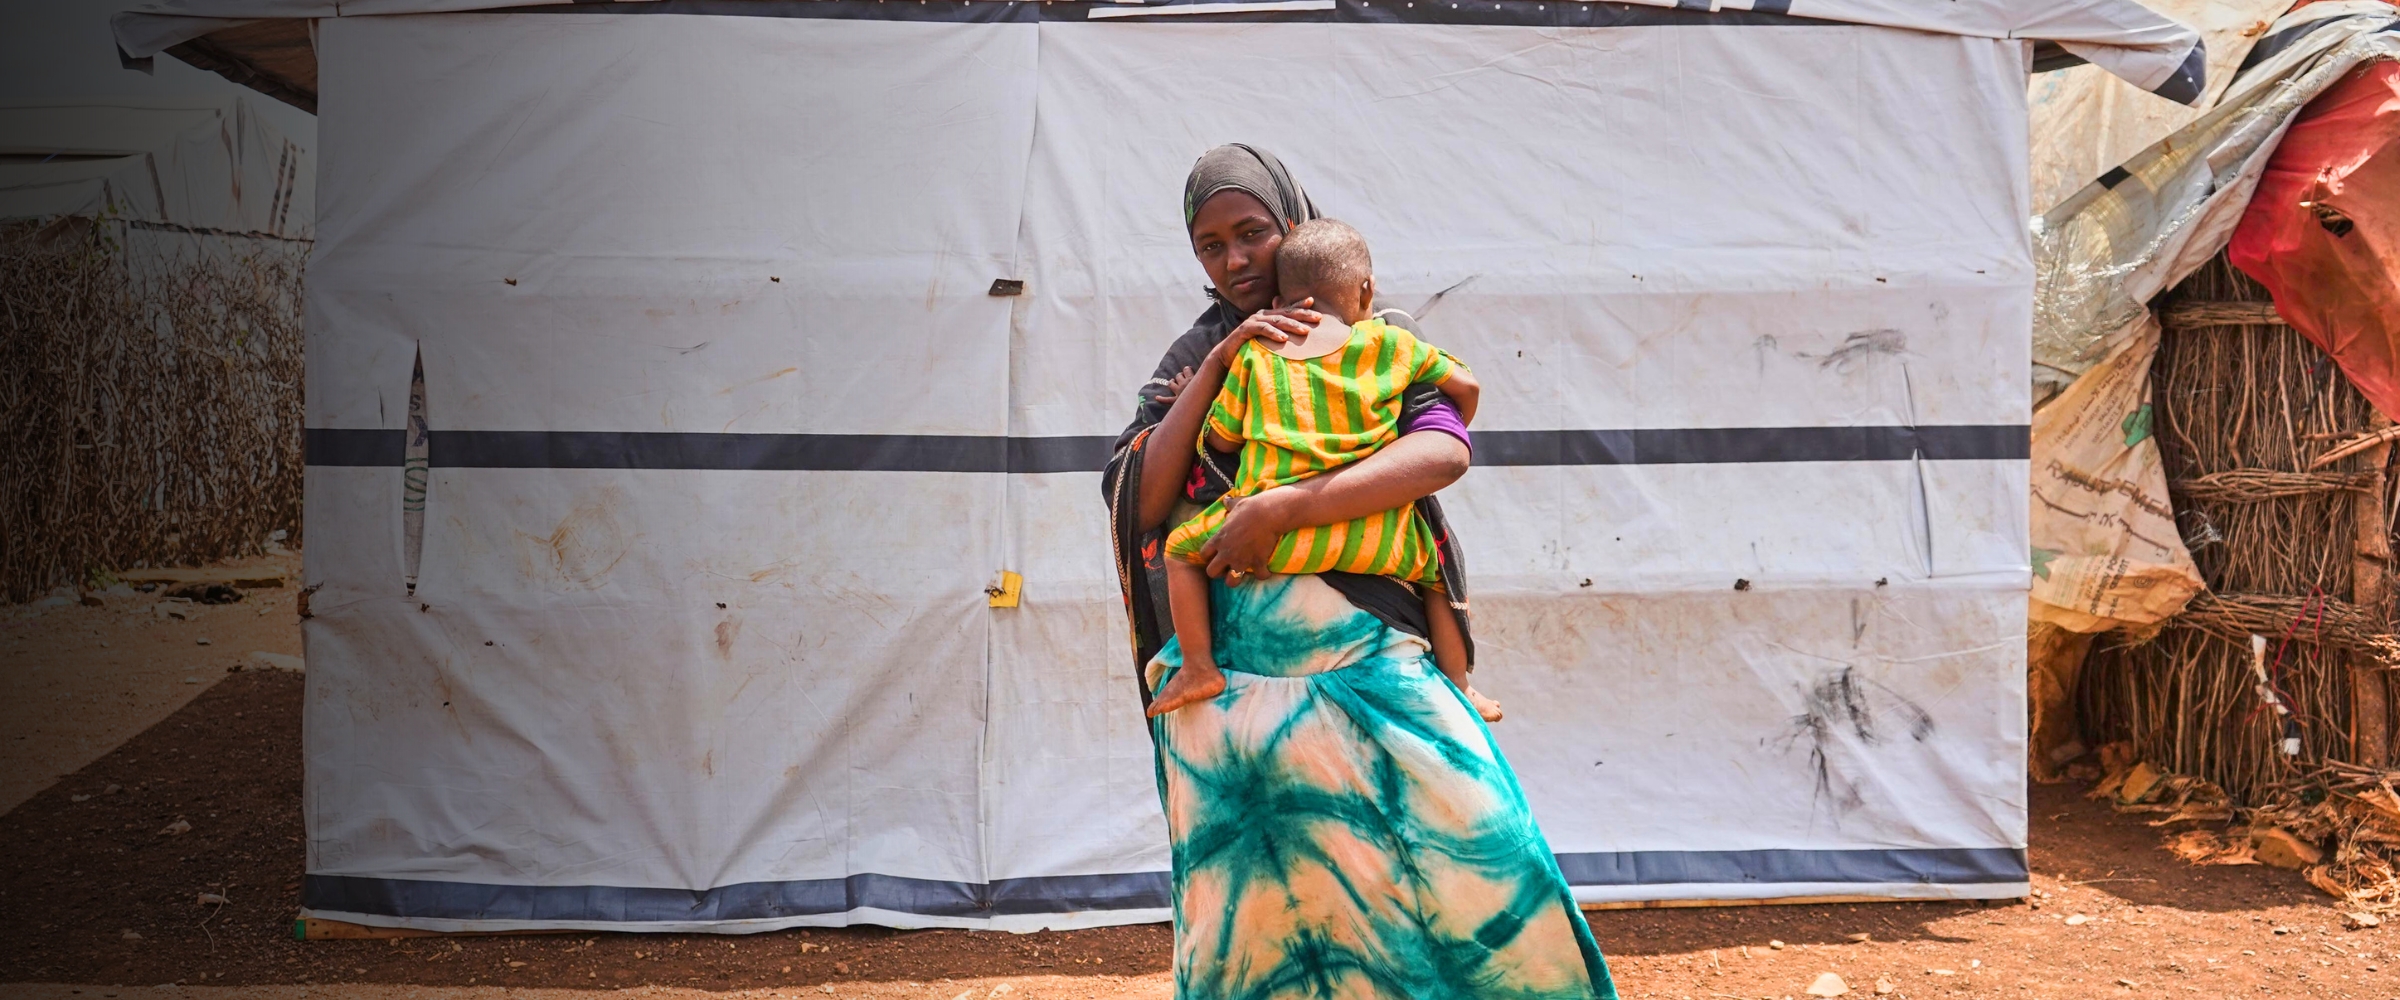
x,y
153,410
2243,405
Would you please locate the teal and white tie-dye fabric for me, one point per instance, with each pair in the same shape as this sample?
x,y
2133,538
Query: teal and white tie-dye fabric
x,y
1344,826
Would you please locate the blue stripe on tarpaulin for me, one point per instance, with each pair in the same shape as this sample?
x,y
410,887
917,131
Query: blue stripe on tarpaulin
x,y
1924,866
2186,83
1536,13
2274,44
1718,445
329,447
391,897
754,452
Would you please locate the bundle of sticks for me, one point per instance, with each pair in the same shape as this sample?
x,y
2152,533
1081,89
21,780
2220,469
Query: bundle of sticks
x,y
2276,472
152,402
2317,620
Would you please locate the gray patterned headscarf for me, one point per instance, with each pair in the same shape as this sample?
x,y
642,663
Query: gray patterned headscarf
x,y
1255,172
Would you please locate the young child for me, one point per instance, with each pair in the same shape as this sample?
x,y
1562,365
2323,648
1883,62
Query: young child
x,y
1297,418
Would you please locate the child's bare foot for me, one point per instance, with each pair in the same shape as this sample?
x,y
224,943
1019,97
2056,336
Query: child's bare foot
x,y
1190,685
1486,707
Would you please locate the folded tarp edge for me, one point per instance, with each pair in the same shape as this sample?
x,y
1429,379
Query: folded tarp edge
x,y
2145,48
141,35
1139,895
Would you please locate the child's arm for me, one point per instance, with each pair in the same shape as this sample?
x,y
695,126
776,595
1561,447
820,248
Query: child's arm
x,y
1428,363
1463,391
1216,441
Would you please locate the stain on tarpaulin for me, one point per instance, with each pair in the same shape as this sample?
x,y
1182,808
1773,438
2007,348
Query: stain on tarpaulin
x,y
452,711
755,380
1859,349
579,553
1839,702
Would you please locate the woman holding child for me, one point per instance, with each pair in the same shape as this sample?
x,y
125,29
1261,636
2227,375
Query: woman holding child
x,y
1341,821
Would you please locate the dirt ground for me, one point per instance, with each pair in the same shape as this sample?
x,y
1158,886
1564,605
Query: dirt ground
x,y
101,900
81,680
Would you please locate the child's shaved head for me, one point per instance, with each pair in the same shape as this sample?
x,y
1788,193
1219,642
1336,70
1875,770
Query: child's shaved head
x,y
1327,259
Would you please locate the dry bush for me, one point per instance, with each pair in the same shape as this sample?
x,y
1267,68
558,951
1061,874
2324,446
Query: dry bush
x,y
153,413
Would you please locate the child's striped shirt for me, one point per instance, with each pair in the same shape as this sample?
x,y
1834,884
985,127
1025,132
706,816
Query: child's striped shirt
x,y
1299,418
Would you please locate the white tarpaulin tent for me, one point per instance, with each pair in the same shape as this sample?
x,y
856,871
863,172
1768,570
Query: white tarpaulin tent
x,y
728,438
2086,121
188,166
171,178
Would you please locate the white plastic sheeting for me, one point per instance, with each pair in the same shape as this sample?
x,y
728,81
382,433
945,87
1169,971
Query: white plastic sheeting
x,y
2086,120
2108,249
728,438
2145,49
210,165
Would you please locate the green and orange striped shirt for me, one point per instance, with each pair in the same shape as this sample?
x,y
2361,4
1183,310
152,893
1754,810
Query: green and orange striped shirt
x,y
1297,419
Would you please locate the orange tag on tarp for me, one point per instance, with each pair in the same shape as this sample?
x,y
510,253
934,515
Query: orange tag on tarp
x,y
1004,594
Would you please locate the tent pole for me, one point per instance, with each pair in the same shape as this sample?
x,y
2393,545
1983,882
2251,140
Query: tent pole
x,y
2370,587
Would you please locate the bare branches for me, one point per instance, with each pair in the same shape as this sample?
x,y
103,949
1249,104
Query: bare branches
x,y
152,402
2257,485
2241,410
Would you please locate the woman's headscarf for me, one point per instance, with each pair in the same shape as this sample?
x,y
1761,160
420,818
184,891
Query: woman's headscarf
x,y
1255,172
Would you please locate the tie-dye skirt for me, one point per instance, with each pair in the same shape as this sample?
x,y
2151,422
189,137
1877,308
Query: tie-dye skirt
x,y
1344,826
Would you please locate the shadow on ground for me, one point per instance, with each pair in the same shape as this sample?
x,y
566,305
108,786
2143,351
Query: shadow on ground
x,y
95,892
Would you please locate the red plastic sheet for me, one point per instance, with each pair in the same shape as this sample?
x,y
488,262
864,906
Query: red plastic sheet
x,y
2323,230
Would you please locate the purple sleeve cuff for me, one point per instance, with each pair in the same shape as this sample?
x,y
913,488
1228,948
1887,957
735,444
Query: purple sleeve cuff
x,y
1441,417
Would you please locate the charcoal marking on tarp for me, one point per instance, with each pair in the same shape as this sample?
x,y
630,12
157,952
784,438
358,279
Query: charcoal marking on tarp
x,y
1842,700
1860,348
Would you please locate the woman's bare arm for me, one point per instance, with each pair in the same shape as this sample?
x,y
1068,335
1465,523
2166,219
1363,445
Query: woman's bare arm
x,y
1167,455
1416,465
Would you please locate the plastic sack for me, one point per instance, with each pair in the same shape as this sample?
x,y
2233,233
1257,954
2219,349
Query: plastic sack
x,y
2106,553
2323,231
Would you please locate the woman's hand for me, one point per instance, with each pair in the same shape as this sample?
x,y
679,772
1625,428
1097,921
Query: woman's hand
x,y
1247,538
1276,325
